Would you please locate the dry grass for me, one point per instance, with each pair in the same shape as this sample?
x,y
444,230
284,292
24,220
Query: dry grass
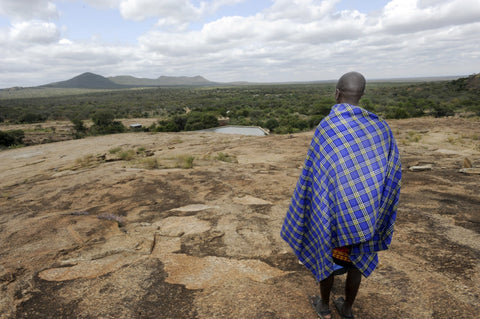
x,y
115,150
88,161
224,157
184,161
149,163
127,155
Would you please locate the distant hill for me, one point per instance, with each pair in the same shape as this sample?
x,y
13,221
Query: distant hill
x,y
161,81
94,81
86,81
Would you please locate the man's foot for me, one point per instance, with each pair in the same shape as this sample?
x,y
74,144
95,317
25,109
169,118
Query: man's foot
x,y
322,309
342,311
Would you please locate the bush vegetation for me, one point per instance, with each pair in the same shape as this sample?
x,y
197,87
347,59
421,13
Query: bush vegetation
x,y
282,108
11,138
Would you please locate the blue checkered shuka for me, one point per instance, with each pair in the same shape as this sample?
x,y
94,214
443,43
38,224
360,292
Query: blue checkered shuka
x,y
347,193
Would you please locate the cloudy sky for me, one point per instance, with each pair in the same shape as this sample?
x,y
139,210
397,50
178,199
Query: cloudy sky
x,y
43,41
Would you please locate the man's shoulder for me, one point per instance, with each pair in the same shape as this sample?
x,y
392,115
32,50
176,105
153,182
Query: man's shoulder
x,y
348,112
347,118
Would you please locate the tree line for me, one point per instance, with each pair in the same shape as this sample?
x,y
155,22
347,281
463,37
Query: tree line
x,y
282,108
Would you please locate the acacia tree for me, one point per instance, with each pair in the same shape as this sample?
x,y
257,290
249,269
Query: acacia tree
x,y
103,118
103,123
79,127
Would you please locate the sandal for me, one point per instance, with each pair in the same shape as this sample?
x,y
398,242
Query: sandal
x,y
339,305
315,301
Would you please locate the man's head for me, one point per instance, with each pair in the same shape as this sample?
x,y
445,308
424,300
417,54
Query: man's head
x,y
350,88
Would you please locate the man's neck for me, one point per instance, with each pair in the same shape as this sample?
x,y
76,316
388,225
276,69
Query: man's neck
x,y
352,102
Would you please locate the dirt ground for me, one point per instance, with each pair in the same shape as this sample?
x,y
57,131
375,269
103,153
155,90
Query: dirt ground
x,y
127,226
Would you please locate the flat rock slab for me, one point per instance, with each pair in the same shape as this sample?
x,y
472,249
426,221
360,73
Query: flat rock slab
x,y
180,226
201,273
470,171
89,268
250,200
205,242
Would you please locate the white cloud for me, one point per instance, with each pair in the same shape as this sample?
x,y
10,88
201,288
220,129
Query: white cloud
x,y
171,14
28,9
291,40
103,3
261,42
404,16
65,41
262,30
34,32
217,4
301,10
169,11
63,60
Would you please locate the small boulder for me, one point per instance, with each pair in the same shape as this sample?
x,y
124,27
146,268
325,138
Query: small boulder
x,y
420,168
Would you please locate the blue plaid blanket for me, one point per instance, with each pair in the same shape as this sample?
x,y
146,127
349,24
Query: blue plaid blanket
x,y
347,193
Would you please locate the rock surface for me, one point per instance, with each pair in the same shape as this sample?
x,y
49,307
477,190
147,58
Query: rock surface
x,y
420,168
82,237
470,171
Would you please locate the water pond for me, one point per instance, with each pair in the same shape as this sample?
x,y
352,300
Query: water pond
x,y
242,130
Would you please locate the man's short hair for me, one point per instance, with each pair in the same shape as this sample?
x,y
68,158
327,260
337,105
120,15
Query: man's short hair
x,y
352,84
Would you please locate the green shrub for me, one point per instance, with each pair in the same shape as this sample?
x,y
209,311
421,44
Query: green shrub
x,y
292,123
397,113
271,124
475,109
6,139
315,120
103,118
112,128
11,138
199,121
30,117
322,107
443,110
103,123
78,125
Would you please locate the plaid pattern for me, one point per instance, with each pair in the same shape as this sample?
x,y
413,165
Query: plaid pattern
x,y
347,193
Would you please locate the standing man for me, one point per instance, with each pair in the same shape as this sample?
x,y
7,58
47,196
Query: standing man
x,y
344,205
